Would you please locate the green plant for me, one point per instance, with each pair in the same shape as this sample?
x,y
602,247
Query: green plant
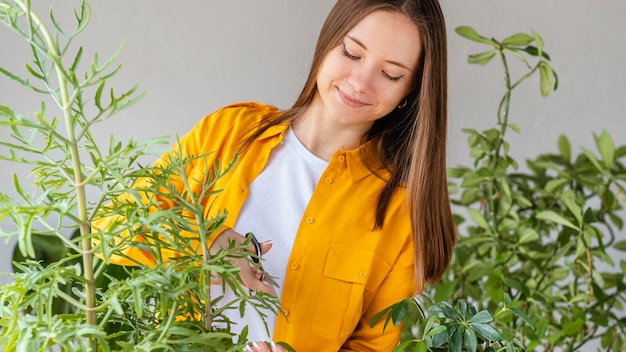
x,y
542,235
538,246
164,304
444,327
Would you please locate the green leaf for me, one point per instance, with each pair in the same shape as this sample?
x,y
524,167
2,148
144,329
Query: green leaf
x,y
421,346
479,219
540,43
532,50
482,58
470,340
549,215
572,328
522,315
592,158
481,317
620,246
546,78
606,148
555,185
16,78
471,34
456,341
564,148
398,312
518,39
574,208
518,55
437,330
486,331
286,346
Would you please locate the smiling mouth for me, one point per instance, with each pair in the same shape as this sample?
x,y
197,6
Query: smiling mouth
x,y
348,100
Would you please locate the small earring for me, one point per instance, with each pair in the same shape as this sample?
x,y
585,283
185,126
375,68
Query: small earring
x,y
404,101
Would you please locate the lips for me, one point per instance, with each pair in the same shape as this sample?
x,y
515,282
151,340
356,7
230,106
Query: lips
x,y
348,100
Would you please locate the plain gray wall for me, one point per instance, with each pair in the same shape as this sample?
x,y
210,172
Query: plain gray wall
x,y
196,56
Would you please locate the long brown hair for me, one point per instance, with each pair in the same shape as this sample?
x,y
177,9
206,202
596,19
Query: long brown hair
x,y
411,141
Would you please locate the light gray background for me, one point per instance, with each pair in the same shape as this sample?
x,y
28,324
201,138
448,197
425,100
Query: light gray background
x,y
196,56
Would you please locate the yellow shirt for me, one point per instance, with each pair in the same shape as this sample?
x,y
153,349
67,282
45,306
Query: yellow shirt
x,y
340,271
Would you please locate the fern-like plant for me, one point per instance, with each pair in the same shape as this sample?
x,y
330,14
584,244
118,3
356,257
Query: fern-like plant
x,y
163,304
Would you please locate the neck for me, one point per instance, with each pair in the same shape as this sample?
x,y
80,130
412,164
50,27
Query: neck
x,y
323,136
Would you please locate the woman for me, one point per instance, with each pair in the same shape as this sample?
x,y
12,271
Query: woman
x,y
349,184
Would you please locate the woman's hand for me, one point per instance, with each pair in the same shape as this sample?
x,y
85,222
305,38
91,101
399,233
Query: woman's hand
x,y
264,347
250,277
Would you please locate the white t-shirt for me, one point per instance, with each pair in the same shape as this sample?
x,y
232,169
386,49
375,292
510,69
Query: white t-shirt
x,y
273,210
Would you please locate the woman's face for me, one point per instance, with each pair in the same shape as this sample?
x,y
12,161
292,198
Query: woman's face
x,y
369,73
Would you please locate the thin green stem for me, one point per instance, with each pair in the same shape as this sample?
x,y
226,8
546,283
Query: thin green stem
x,y
65,104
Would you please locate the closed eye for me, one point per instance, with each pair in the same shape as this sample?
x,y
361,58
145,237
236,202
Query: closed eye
x,y
392,78
347,54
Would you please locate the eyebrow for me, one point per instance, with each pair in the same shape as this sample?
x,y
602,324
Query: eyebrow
x,y
389,61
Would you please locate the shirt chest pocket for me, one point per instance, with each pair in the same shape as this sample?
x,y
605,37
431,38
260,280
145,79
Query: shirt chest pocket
x,y
340,302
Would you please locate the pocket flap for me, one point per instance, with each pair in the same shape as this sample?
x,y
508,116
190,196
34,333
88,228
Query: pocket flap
x,y
347,263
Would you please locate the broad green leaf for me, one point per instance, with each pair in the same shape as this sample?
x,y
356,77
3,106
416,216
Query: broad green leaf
x,y
471,34
470,340
481,317
462,308
575,210
482,58
479,219
421,346
592,158
404,345
572,328
606,148
398,312
620,246
532,50
456,341
518,39
554,186
549,215
487,331
528,235
546,79
564,148
514,127
437,330
522,315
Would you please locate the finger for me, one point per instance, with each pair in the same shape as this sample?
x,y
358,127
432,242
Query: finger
x,y
266,246
215,279
251,278
258,347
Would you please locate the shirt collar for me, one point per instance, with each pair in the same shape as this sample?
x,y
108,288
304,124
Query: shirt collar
x,y
361,162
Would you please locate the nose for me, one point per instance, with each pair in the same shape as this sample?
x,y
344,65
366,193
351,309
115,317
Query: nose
x,y
360,78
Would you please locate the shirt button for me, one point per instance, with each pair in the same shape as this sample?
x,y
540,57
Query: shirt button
x,y
309,219
286,312
328,180
363,274
342,158
294,266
